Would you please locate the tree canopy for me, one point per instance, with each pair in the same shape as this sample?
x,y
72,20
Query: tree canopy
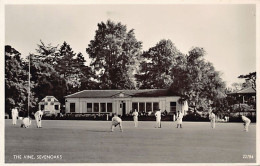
x,y
16,76
250,79
196,80
117,62
156,65
114,51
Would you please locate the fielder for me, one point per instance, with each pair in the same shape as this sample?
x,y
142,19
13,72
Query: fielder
x,y
116,121
247,121
212,119
179,119
135,116
158,118
38,118
14,115
26,122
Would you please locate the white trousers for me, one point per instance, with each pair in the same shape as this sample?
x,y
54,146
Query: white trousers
x,y
38,121
246,126
213,124
158,122
14,119
136,121
179,121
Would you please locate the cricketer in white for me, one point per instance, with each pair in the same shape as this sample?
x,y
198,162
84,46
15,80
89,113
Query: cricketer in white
x,y
158,118
116,121
247,121
38,118
135,116
14,115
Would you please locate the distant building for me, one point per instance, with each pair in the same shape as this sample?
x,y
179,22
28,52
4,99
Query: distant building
x,y
122,101
50,105
244,95
247,102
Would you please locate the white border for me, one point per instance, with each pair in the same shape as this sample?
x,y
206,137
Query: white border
x,y
126,2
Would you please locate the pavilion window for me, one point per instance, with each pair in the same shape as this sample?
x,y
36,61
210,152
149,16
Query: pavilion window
x,y
173,106
135,106
155,106
102,107
96,107
89,107
72,107
148,107
141,107
109,107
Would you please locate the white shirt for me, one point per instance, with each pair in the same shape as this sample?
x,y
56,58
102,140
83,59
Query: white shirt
x,y
135,114
180,116
38,114
158,114
212,116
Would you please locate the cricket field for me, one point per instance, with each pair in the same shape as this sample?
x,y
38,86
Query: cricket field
x,y
71,141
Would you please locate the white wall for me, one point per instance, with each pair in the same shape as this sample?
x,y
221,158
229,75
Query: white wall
x,y
49,107
81,103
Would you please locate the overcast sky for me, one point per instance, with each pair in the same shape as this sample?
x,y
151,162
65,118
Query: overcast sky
x,y
226,32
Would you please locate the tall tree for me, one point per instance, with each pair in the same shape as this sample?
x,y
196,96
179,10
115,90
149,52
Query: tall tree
x,y
16,81
86,74
196,80
114,52
48,82
156,65
46,53
250,79
72,67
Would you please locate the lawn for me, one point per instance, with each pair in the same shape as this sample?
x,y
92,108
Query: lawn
x,y
92,142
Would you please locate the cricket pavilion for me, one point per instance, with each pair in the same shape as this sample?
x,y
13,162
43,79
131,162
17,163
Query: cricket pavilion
x,y
123,102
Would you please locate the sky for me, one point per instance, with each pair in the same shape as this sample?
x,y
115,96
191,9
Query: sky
x,y
227,32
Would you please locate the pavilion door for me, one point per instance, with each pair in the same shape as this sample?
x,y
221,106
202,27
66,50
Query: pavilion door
x,y
124,109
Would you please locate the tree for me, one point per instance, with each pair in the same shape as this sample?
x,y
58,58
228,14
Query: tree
x,y
114,52
196,80
156,65
250,80
16,81
85,74
48,82
72,67
46,53
58,71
